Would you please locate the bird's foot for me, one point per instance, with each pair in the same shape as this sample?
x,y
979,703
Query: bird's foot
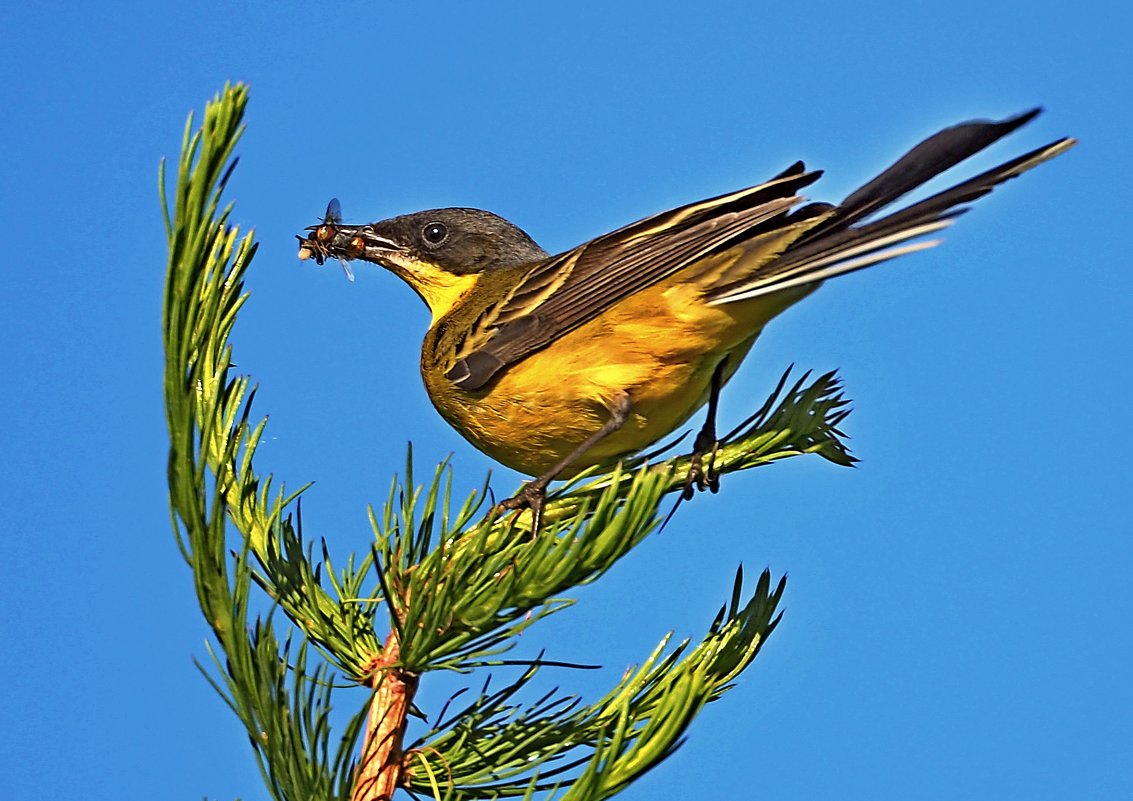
x,y
702,477
532,496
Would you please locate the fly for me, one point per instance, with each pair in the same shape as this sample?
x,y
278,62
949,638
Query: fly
x,y
319,245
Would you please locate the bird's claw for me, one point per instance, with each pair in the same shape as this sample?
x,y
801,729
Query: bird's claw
x,y
532,496
701,477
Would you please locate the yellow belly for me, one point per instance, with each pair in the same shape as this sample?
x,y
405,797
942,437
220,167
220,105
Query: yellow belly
x,y
659,348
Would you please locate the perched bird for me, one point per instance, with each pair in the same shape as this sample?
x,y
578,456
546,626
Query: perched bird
x,y
551,364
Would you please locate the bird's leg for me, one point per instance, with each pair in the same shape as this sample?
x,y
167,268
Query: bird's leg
x,y
534,492
699,477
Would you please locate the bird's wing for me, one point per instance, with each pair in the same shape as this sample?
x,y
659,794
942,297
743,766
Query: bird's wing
x,y
812,243
565,291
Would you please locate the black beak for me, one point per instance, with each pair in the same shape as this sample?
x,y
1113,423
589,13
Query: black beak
x,y
371,240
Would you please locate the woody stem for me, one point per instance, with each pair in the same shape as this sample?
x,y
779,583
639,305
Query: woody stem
x,y
380,767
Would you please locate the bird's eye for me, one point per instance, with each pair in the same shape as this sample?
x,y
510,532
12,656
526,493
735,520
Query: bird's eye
x,y
435,233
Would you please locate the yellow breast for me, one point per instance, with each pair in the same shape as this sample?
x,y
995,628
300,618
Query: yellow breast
x,y
659,347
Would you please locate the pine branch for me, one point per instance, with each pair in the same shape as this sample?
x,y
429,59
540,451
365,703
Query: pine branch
x,y
497,747
210,477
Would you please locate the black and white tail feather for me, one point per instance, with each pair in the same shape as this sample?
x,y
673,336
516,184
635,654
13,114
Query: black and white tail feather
x,y
842,242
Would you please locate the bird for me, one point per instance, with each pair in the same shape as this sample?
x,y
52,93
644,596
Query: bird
x,y
551,364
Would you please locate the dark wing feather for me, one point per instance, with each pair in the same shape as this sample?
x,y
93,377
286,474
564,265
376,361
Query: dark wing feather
x,y
593,277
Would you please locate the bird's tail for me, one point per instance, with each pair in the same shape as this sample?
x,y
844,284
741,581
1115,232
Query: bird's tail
x,y
843,240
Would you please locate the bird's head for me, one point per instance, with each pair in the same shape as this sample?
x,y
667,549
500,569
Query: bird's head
x,y
440,253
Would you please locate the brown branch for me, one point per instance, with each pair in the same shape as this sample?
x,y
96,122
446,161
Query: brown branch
x,y
380,768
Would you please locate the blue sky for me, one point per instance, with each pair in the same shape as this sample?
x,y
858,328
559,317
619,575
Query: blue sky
x,y
957,612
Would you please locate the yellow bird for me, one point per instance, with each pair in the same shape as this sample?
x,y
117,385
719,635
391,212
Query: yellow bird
x,y
551,364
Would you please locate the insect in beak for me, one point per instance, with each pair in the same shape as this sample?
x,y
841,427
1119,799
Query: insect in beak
x,y
320,245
